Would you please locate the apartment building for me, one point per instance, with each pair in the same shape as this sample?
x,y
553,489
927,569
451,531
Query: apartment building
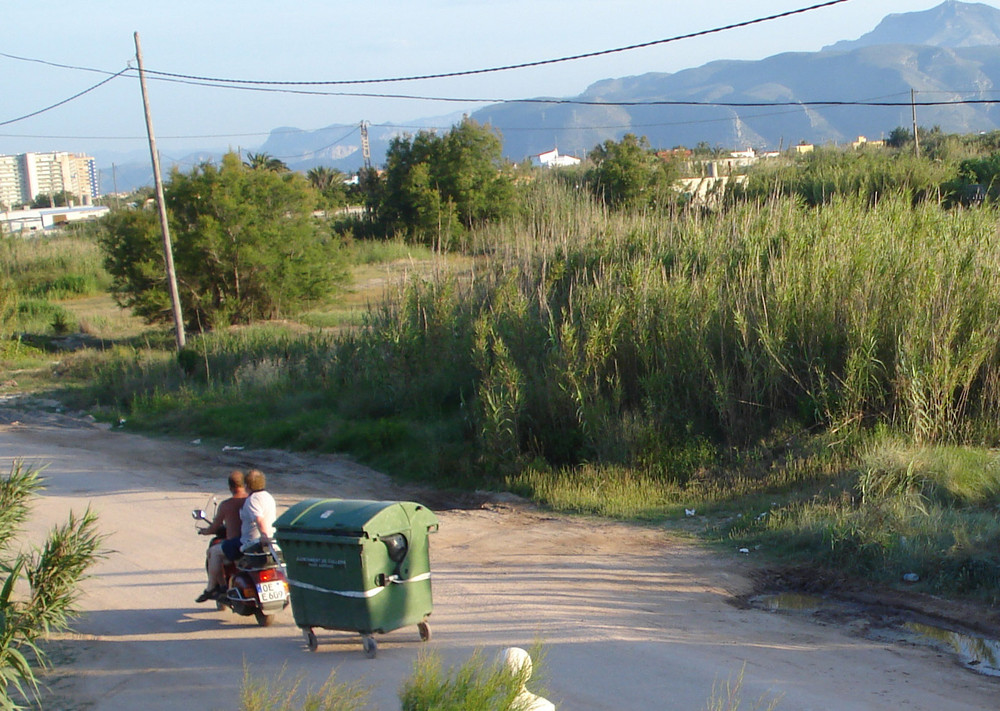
x,y
25,176
12,186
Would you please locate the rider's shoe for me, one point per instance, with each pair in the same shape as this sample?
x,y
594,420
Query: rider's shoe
x,y
207,595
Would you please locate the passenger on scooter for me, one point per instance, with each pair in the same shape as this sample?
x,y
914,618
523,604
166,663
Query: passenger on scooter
x,y
258,512
257,526
226,522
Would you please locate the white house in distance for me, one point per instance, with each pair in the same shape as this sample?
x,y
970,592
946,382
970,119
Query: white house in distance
x,y
552,159
26,222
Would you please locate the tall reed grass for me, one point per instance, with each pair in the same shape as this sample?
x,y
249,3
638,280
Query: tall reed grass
x,y
54,267
722,326
615,338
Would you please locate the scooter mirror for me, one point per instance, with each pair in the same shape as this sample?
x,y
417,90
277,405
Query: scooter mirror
x,y
199,515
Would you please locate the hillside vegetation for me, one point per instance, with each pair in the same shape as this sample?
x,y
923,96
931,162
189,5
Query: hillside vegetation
x,y
814,368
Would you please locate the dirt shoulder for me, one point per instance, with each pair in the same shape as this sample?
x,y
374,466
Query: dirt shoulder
x,y
629,616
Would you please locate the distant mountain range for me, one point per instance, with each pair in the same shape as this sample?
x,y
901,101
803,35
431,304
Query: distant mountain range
x,y
948,53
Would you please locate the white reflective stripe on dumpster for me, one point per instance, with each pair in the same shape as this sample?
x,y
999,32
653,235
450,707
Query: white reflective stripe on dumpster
x,y
394,579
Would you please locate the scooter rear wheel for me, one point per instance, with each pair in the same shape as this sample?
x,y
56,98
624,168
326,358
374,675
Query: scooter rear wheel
x,y
262,619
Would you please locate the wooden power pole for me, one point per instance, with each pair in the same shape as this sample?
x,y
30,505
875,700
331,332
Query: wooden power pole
x,y
913,110
168,253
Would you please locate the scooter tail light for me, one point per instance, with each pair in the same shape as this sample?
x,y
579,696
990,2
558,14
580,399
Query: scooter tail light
x,y
267,575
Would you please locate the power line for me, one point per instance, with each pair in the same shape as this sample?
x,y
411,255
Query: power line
x,y
55,64
508,67
317,150
794,106
586,102
133,138
469,72
64,101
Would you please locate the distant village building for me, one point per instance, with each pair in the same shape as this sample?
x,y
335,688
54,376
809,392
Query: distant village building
x,y
863,142
552,159
804,148
23,222
27,175
707,191
675,154
719,167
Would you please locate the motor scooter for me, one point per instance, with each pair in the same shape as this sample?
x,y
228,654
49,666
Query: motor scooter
x,y
256,581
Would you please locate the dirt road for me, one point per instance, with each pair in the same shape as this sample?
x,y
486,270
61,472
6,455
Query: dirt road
x,y
631,618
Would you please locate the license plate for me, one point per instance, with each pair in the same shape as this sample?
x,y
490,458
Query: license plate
x,y
271,592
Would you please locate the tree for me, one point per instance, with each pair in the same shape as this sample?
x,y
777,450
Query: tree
x,y
329,183
133,255
246,247
627,173
52,573
436,186
899,137
59,199
264,161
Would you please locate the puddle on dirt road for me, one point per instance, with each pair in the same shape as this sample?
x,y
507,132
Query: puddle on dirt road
x,y
977,654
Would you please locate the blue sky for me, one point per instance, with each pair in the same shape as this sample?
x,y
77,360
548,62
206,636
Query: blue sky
x,y
311,40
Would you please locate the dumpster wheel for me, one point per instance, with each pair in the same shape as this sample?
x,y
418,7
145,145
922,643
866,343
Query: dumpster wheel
x,y
370,645
311,640
425,631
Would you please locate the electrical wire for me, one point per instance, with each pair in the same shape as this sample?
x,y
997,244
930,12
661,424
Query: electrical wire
x,y
318,150
587,102
55,64
508,67
64,101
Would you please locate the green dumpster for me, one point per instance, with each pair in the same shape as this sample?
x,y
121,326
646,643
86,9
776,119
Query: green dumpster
x,y
358,566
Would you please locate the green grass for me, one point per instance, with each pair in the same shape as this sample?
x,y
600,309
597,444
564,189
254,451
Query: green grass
x,y
260,692
65,265
475,685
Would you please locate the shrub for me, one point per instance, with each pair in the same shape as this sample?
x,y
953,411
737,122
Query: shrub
x,y
53,573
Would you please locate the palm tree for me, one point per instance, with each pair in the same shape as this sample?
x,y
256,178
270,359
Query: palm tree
x,y
265,161
321,177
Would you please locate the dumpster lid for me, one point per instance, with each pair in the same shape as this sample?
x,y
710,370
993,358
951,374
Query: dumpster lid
x,y
355,517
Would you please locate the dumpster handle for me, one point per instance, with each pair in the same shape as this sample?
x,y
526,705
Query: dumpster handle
x,y
393,579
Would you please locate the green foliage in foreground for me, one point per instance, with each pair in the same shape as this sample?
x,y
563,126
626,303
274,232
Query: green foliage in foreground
x,y
262,693
52,572
475,685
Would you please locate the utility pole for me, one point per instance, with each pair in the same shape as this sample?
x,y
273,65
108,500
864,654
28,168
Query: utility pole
x,y
114,182
366,150
916,137
168,254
